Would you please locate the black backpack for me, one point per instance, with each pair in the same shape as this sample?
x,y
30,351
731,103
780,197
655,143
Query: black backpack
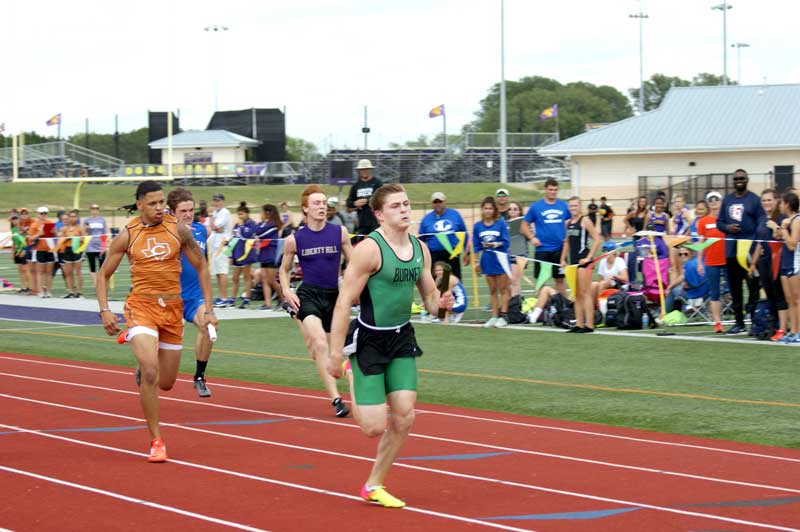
x,y
635,306
615,310
763,323
560,312
515,314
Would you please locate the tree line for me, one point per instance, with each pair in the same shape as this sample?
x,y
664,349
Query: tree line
x,y
579,103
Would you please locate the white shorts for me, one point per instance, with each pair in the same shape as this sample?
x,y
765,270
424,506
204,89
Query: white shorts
x,y
219,263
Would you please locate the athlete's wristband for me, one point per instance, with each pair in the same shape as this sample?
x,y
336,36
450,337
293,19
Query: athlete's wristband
x,y
209,312
103,310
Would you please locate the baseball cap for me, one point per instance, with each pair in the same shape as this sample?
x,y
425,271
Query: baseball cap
x,y
609,246
333,201
218,196
94,206
438,196
42,210
364,163
713,194
501,192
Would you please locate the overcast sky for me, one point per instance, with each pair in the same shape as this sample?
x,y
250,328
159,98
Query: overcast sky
x,y
324,60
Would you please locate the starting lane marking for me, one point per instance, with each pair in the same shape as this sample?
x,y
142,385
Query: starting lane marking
x,y
133,500
447,414
245,475
369,459
421,436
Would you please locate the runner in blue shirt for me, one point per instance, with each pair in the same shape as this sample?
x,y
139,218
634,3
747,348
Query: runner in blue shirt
x,y
546,230
181,204
442,220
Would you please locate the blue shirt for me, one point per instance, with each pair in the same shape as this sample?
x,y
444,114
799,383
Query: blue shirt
x,y
190,282
449,221
697,284
745,211
550,223
496,232
267,231
244,232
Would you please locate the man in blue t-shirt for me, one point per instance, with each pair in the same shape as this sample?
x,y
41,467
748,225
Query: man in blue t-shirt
x,y
739,217
689,285
546,230
181,204
445,221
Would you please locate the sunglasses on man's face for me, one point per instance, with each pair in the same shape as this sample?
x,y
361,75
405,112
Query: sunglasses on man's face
x,y
740,178
683,254
437,201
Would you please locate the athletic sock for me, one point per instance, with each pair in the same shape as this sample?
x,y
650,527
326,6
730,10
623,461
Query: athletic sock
x,y
200,372
371,488
535,315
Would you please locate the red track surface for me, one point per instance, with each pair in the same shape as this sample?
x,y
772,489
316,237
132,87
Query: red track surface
x,y
276,459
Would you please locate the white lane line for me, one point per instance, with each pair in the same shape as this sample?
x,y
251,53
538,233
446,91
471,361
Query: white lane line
x,y
434,412
55,324
254,477
133,500
407,466
421,436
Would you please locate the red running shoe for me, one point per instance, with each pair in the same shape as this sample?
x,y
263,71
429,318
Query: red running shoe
x,y
158,451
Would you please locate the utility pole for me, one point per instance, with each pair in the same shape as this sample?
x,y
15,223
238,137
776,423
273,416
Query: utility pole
x,y
503,155
724,7
641,16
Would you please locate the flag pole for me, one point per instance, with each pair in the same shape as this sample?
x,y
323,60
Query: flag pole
x,y
444,129
558,129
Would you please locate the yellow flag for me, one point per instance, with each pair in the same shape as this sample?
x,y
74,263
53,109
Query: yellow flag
x,y
674,241
85,243
461,235
743,252
571,274
248,245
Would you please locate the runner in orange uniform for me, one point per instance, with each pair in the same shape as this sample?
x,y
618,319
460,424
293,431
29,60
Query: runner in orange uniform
x,y
153,242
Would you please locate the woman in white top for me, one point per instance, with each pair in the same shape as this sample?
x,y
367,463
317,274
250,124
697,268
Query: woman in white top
x,y
613,270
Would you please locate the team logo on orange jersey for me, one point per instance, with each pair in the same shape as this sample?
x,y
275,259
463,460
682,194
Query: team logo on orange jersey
x,y
156,250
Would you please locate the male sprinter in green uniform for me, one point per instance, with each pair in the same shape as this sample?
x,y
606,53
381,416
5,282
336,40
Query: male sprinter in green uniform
x,y
384,269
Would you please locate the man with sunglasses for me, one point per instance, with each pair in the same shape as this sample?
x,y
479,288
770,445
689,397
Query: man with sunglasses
x,y
445,221
739,217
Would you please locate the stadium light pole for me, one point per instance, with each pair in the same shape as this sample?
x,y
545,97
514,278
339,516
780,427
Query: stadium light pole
x,y
739,46
724,7
641,16
503,161
216,28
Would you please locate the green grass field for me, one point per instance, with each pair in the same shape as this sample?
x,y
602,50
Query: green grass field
x,y
744,390
111,196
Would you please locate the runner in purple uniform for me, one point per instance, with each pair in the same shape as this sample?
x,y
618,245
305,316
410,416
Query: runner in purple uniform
x,y
319,247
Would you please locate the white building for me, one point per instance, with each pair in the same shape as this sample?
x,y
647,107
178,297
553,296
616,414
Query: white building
x,y
201,147
697,137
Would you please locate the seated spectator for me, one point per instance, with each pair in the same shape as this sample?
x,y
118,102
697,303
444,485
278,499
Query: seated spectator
x,y
459,302
613,270
690,284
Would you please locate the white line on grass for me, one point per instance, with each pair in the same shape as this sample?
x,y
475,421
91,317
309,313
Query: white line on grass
x,y
252,477
133,500
427,469
446,414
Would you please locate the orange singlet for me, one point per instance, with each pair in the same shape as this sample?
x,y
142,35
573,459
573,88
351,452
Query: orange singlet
x,y
154,303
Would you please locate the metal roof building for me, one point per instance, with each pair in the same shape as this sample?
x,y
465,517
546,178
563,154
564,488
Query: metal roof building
x,y
213,138
697,132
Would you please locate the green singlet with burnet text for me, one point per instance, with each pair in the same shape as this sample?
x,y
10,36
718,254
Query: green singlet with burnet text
x,y
387,297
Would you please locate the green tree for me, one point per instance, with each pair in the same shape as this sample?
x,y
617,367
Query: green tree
x,y
132,144
657,87
301,150
579,103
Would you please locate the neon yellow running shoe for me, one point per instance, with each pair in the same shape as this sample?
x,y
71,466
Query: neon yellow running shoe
x,y
381,496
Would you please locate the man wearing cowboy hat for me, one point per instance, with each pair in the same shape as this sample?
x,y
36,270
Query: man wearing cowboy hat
x,y
360,193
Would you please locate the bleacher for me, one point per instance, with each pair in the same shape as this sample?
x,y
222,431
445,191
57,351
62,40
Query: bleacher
x,y
58,159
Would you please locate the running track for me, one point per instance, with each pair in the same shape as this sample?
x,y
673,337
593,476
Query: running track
x,y
255,457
